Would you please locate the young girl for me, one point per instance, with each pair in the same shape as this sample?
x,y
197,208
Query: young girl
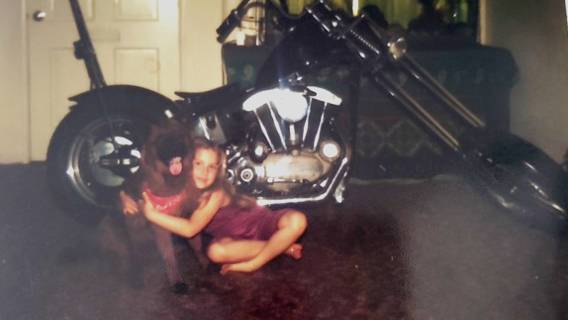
x,y
245,236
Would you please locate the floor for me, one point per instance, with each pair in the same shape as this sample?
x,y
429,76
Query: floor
x,y
429,249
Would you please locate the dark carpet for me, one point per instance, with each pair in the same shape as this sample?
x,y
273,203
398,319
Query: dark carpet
x,y
433,249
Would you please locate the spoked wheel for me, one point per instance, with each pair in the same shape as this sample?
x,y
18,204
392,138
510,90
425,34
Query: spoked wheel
x,y
90,156
519,177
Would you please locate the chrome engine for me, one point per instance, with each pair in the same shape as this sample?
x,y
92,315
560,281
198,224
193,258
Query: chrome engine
x,y
291,151
281,171
290,147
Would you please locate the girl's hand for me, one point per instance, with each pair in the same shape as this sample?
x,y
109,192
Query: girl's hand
x,y
148,208
182,226
129,205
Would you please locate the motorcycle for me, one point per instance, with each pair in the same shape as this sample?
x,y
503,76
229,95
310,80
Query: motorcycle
x,y
289,140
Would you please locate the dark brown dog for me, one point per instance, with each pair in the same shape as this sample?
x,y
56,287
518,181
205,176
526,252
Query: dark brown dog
x,y
164,175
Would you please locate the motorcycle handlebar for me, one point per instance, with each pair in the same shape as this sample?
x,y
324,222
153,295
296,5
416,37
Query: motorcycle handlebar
x,y
231,21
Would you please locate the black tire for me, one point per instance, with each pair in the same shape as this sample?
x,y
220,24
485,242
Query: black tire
x,y
519,177
81,185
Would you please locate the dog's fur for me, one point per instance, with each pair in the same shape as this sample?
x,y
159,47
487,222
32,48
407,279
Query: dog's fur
x,y
153,172
165,141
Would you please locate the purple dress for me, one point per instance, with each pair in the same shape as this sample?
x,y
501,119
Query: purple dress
x,y
251,223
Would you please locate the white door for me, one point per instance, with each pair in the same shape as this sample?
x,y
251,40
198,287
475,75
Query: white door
x,y
136,41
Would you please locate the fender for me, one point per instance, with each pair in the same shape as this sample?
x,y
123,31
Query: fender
x,y
139,101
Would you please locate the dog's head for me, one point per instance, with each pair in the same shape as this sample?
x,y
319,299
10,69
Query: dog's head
x,y
166,157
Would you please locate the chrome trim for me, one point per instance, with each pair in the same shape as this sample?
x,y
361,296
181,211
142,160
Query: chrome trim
x,y
277,125
203,125
307,122
340,174
318,133
325,95
292,133
264,130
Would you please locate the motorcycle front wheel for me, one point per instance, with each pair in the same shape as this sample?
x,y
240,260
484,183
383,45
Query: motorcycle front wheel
x,y
519,177
89,157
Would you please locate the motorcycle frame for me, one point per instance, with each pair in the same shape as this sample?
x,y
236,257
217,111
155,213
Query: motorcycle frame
x,y
84,49
360,36
288,58
379,50
358,43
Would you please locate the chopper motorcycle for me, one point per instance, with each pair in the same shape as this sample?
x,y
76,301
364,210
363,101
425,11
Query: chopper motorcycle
x,y
289,141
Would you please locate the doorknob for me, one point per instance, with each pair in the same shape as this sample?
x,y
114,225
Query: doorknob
x,y
39,15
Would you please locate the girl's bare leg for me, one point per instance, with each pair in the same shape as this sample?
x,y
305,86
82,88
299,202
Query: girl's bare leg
x,y
290,227
231,251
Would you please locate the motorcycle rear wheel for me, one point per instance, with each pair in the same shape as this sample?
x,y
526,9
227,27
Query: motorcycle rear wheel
x,y
519,177
80,183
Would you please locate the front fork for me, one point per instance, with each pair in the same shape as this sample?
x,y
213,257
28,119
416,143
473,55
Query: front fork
x,y
423,117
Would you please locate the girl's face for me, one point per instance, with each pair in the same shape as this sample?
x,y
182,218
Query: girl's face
x,y
205,167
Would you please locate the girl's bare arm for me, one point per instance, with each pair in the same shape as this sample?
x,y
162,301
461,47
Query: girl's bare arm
x,y
128,204
182,226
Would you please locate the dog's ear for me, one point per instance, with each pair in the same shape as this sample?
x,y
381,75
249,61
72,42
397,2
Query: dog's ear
x,y
153,134
149,157
155,171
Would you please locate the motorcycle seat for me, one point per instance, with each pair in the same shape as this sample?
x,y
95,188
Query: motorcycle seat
x,y
212,95
221,97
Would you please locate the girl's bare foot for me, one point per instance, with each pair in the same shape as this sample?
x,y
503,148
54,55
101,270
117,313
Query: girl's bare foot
x,y
295,251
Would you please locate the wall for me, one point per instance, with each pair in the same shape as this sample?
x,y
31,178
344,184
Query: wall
x,y
200,52
537,35
14,120
200,63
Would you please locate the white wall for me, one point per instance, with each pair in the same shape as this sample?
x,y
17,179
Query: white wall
x,y
14,120
200,52
200,63
537,35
